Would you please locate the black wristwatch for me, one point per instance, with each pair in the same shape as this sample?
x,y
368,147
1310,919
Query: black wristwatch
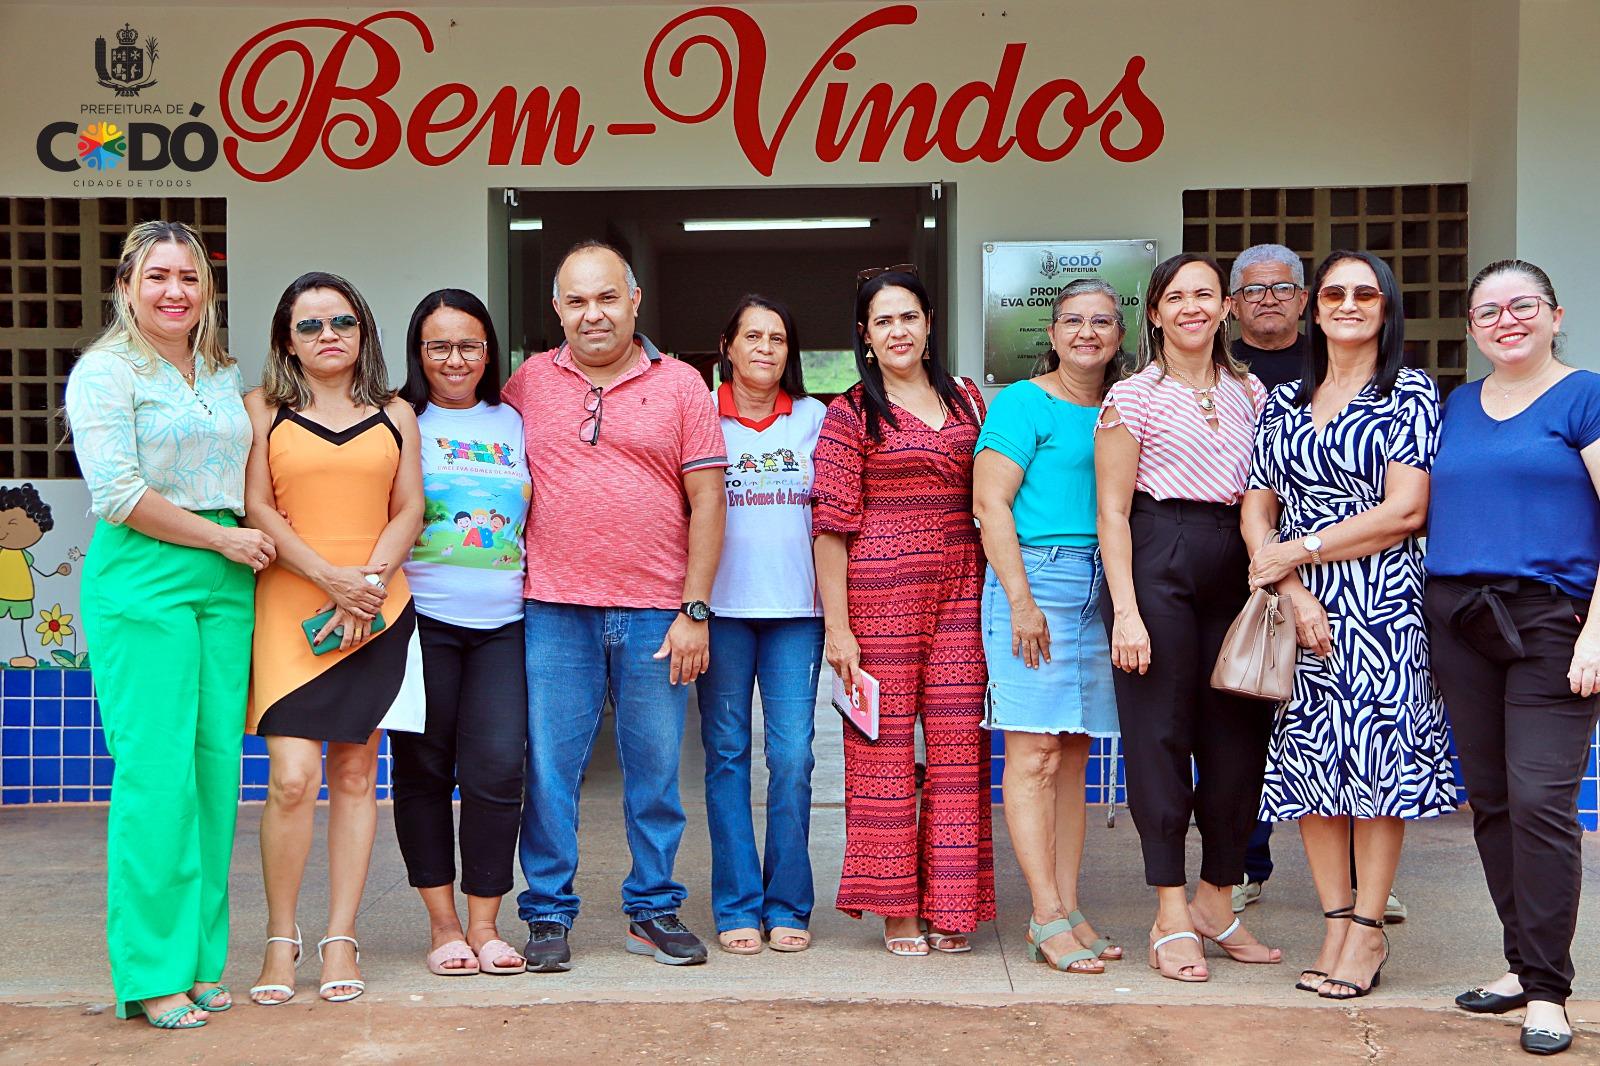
x,y
697,610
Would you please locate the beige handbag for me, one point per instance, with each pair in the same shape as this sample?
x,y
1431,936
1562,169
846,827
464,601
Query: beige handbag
x,y
1258,654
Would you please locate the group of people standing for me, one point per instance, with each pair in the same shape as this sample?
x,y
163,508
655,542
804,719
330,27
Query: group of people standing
x,y
1059,566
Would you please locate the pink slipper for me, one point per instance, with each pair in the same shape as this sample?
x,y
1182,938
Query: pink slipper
x,y
499,949
456,949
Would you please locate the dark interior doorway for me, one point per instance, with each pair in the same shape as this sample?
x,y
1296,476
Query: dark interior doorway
x,y
692,279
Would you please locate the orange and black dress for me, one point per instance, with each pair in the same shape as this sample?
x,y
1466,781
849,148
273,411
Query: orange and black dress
x,y
335,489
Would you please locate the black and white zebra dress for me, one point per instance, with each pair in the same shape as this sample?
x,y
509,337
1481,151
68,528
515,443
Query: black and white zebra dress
x,y
1364,734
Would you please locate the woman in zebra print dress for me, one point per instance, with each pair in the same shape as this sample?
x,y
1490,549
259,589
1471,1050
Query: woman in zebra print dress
x,y
1341,474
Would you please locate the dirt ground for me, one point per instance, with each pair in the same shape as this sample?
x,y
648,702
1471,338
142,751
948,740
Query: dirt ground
x,y
835,1033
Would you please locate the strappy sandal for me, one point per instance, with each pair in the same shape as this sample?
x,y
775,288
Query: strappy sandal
x,y
938,940
1342,912
1102,946
779,933
206,998
1158,964
167,1019
917,941
356,983
288,990
1234,950
1356,991
728,938
1083,960
450,952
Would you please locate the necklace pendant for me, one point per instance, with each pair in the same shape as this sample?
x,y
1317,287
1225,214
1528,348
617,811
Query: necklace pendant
x,y
1207,404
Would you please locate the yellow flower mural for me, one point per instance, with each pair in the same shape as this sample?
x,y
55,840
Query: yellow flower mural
x,y
54,627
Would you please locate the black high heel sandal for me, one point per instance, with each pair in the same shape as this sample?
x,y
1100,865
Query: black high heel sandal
x,y
1356,991
1342,912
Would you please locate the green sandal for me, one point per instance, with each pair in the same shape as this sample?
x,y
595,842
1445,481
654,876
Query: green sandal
x,y
164,1020
204,1000
1101,944
1038,934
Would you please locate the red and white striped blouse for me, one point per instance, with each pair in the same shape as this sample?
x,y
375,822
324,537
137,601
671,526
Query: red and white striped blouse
x,y
1181,457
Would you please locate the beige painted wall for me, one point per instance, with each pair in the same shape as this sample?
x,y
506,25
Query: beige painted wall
x,y
1253,92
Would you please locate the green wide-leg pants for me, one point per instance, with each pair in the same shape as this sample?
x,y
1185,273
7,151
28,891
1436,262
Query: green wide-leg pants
x,y
168,630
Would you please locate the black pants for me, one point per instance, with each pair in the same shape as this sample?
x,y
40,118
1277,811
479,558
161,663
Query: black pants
x,y
477,738
1501,650
1189,576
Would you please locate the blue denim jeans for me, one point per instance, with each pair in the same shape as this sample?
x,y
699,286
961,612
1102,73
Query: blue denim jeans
x,y
782,655
575,655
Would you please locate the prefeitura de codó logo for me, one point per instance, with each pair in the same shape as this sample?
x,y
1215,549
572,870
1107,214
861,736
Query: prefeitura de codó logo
x,y
1047,264
133,137
127,67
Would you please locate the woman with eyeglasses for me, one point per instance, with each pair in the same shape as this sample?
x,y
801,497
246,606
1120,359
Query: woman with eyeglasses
x,y
1513,556
1338,493
335,478
467,588
168,602
899,568
1049,663
1172,456
766,630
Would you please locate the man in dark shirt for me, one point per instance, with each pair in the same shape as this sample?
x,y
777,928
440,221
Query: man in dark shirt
x,y
1269,296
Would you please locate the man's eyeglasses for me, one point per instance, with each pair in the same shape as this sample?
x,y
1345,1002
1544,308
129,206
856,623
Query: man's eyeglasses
x,y
864,276
589,432
343,325
1522,309
471,351
1282,291
1099,322
1365,296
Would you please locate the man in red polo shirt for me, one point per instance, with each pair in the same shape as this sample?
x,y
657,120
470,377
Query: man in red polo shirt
x,y
623,536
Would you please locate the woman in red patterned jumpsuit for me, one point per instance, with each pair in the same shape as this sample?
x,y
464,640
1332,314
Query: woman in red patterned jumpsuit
x,y
899,567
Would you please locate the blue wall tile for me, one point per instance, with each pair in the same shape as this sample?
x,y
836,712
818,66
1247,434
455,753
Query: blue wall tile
x,y
46,772
75,795
77,741
46,742
47,712
14,740
17,682
75,771
15,771
17,711
13,795
79,682
78,711
46,682
47,795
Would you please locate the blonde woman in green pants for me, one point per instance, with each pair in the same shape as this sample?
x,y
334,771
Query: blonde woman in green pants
x,y
168,607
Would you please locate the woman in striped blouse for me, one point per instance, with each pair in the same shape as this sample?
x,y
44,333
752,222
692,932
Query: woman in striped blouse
x,y
1172,456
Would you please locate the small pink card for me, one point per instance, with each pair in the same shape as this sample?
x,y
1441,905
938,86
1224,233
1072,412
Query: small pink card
x,y
860,707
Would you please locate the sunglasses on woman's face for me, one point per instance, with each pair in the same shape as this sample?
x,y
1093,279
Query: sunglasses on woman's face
x,y
311,328
1365,296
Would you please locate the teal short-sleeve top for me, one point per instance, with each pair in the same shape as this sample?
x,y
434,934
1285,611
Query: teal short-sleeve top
x,y
1053,441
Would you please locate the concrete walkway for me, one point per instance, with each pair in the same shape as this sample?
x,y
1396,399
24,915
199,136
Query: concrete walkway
x,y
51,884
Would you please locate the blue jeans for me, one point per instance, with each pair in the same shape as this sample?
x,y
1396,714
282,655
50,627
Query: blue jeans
x,y
783,655
575,655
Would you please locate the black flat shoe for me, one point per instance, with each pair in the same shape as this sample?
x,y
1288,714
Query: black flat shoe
x,y
1478,1001
1545,1041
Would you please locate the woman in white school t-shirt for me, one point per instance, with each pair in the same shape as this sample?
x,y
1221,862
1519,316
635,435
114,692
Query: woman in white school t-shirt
x,y
766,628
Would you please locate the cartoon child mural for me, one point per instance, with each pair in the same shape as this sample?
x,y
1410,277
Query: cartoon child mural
x,y
497,522
769,462
24,520
789,462
479,535
747,462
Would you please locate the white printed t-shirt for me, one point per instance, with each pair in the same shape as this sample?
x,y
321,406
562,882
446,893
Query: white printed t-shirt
x,y
466,567
766,569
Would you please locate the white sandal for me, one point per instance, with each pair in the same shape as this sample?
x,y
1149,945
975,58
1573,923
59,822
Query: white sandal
x,y
279,988
359,985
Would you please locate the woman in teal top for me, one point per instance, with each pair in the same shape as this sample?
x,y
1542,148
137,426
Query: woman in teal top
x,y
1049,663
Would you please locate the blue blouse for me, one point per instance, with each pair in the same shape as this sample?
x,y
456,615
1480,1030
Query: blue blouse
x,y
1053,441
1513,498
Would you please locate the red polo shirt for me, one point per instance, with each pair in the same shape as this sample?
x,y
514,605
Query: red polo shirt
x,y
608,525
782,404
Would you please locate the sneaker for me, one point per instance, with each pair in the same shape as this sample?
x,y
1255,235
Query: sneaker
x,y
1394,911
547,950
1247,893
667,940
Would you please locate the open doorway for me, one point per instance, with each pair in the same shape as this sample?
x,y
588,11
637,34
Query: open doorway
x,y
693,270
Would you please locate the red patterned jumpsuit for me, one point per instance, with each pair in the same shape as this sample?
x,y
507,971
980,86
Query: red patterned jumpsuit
x,y
904,503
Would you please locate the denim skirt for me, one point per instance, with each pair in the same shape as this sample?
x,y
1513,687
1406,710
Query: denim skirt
x,y
1072,692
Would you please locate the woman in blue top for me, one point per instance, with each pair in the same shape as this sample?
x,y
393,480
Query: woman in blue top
x,y
1049,662
1513,554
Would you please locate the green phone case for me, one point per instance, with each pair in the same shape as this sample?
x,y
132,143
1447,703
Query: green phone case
x,y
331,641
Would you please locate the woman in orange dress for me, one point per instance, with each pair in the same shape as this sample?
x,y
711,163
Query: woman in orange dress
x,y
335,477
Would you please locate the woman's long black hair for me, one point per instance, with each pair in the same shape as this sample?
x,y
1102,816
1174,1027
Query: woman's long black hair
x,y
415,390
1391,335
875,401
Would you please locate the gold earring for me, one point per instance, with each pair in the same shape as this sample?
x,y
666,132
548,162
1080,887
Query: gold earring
x,y
871,355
